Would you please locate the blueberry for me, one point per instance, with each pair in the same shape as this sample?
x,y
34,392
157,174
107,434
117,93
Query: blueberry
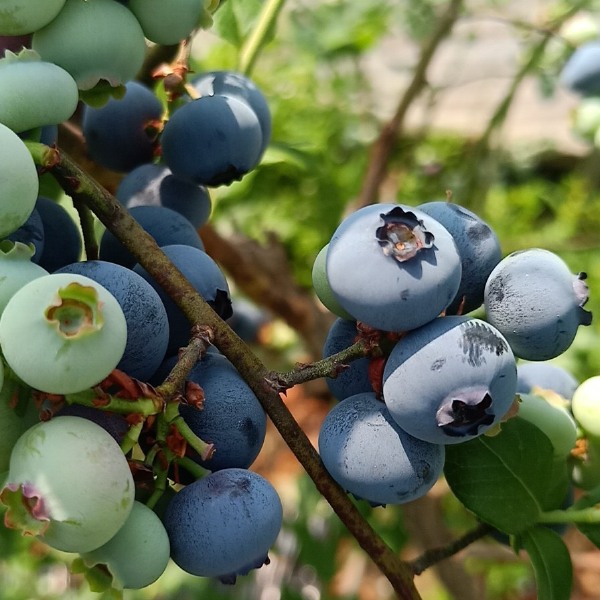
x,y
145,314
478,247
155,185
237,85
205,276
166,226
450,380
223,524
119,134
231,417
535,301
212,141
392,267
581,72
371,457
62,239
31,232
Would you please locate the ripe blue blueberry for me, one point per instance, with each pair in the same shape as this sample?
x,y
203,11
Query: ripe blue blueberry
x,y
231,416
393,267
166,226
450,380
372,457
224,524
119,134
581,72
237,85
478,247
212,141
205,276
62,238
154,185
535,301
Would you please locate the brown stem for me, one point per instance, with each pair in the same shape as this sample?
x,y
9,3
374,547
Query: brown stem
x,y
435,555
86,219
379,156
77,184
425,523
187,359
327,367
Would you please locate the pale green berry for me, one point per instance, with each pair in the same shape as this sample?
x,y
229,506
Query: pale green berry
x,y
69,483
62,333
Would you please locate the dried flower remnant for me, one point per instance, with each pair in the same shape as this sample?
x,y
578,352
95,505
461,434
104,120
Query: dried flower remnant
x,y
463,414
402,235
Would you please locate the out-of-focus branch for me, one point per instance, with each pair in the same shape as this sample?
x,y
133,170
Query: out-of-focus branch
x,y
424,521
262,272
475,180
383,147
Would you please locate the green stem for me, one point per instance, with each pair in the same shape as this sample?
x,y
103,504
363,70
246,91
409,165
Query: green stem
x,y
583,515
123,406
204,449
132,436
193,468
259,35
159,488
86,219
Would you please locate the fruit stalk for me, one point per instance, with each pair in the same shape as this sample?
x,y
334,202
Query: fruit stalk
x,y
326,367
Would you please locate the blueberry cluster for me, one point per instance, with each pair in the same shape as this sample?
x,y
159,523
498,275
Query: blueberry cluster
x,y
76,332
452,318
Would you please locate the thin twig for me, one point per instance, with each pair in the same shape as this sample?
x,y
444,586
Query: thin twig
x,y
383,147
435,555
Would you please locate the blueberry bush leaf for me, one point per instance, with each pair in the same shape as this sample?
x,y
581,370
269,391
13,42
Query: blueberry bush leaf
x,y
551,563
503,479
590,530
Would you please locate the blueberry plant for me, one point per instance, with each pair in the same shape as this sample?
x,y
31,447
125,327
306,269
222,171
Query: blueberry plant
x,y
131,408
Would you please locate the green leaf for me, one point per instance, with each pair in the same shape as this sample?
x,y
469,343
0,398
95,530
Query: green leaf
x,y
551,563
590,530
234,20
503,479
101,93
